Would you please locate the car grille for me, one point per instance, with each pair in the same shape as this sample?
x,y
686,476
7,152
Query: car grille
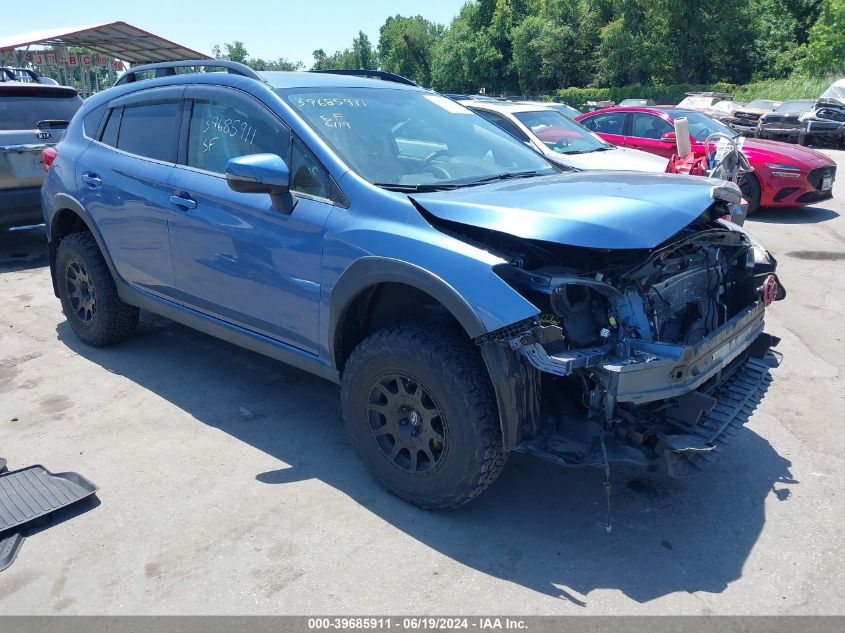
x,y
814,196
817,175
747,116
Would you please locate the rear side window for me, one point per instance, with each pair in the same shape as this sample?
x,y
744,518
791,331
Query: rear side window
x,y
222,129
150,130
609,123
20,110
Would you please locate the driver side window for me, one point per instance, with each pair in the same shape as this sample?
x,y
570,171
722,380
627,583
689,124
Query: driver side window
x,y
649,126
221,130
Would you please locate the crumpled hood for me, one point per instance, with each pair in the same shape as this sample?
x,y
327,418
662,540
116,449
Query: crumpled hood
x,y
617,210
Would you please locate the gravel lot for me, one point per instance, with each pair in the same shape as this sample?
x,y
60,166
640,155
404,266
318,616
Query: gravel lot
x,y
227,485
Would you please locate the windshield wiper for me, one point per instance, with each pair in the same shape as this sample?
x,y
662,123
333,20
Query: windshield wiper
x,y
506,176
453,184
390,186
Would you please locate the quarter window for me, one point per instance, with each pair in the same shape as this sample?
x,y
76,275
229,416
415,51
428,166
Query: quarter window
x,y
220,131
112,127
150,130
91,121
308,176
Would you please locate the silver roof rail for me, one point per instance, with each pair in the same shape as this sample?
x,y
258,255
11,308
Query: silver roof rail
x,y
377,74
166,69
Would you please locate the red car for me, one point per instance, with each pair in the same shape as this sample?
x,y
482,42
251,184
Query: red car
x,y
784,175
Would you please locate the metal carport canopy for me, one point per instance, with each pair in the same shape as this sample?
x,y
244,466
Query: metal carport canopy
x,y
115,39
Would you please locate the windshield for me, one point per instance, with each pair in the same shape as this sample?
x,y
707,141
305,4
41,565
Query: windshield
x,y
761,104
797,105
836,91
560,133
698,102
701,126
410,139
564,109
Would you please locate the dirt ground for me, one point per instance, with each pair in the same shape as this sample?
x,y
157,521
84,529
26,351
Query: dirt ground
x,y
227,485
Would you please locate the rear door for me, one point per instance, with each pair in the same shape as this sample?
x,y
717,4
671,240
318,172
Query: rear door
x,y
22,108
122,182
646,131
234,255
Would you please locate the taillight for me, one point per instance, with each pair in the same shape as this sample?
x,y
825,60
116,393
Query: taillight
x,y
48,155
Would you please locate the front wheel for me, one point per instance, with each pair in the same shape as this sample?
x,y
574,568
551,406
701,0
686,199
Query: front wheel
x,y
88,294
750,191
421,413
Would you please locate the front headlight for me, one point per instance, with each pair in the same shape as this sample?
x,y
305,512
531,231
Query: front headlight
x,y
758,253
784,171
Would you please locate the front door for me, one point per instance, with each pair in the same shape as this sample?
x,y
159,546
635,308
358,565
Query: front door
x,y
234,256
646,133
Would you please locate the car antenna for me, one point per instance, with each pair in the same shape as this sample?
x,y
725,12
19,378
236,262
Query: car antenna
x,y
607,485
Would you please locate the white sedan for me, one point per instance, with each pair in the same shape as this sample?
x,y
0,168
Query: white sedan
x,y
563,140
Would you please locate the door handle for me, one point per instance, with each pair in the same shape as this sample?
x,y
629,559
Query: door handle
x,y
183,201
91,179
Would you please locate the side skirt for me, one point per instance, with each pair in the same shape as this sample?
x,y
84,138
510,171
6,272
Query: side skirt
x,y
227,332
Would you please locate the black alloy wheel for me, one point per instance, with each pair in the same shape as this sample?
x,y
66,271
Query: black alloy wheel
x,y
407,423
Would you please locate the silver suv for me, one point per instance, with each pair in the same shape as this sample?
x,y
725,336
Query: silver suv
x,y
33,117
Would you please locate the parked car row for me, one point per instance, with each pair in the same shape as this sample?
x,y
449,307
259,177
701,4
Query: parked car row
x,y
472,293
784,175
802,121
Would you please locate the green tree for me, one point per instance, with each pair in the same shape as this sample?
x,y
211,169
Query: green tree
x,y
362,50
406,46
360,56
826,42
236,51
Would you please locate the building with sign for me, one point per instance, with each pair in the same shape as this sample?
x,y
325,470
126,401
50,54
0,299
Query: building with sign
x,y
90,56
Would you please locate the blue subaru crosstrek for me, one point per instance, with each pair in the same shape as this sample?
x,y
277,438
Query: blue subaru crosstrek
x,y
470,297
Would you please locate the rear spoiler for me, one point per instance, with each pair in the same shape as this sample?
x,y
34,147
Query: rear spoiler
x,y
20,89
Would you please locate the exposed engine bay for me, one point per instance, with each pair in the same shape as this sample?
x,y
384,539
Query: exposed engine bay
x,y
637,355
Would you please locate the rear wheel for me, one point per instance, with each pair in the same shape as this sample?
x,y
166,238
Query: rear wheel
x,y
88,294
421,413
750,191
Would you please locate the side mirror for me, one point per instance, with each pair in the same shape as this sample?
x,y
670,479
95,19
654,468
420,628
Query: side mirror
x,y
262,173
668,137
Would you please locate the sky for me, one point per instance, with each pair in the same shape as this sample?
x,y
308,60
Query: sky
x,y
268,29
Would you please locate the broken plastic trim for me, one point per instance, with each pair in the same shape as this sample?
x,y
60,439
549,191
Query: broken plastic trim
x,y
652,370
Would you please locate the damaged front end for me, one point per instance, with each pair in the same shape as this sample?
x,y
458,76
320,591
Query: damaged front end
x,y
638,356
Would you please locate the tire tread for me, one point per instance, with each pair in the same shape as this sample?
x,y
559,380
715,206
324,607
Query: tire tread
x,y
119,319
452,354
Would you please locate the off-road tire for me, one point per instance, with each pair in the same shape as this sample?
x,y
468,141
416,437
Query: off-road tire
x,y
451,369
111,320
751,191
